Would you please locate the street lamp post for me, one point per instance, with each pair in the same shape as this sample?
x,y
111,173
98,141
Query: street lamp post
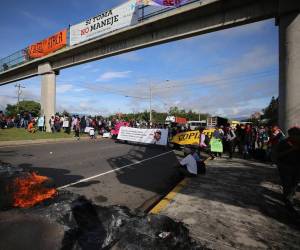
x,y
150,101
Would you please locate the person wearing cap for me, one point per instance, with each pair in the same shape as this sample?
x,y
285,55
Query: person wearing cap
x,y
188,164
288,163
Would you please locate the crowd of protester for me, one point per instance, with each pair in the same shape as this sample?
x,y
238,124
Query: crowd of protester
x,y
246,141
19,121
264,143
66,123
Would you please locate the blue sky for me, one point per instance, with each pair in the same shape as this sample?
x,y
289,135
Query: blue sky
x,y
232,72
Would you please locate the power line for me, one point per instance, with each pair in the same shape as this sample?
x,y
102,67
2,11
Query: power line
x,y
189,83
242,77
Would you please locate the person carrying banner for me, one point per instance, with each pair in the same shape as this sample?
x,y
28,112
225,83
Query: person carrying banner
x,y
216,145
204,143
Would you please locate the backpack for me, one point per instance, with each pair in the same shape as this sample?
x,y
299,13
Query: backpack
x,y
201,168
206,140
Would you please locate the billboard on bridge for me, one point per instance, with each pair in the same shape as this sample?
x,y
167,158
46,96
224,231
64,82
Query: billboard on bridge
x,y
48,45
108,21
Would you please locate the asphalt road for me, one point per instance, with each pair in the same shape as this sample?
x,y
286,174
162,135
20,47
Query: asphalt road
x,y
123,174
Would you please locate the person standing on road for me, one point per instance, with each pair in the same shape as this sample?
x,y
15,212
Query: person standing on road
x,y
77,129
217,139
247,142
51,123
204,144
230,140
276,137
82,124
288,163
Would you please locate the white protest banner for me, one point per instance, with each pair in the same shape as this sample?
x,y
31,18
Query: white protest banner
x,y
87,129
151,136
106,135
66,124
108,21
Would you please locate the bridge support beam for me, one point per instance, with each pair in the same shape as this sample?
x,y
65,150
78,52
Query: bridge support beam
x,y
289,70
48,93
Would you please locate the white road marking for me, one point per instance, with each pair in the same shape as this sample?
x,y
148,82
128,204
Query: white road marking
x,y
111,171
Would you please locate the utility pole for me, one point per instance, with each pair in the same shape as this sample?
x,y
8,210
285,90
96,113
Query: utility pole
x,y
150,103
19,92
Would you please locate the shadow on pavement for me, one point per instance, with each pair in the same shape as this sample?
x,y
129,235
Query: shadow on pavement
x,y
248,184
157,175
8,153
60,176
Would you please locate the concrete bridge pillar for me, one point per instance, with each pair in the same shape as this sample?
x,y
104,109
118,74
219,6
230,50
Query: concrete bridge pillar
x,y
289,70
48,92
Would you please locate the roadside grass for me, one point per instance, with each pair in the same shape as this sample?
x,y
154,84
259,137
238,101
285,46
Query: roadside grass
x,y
16,134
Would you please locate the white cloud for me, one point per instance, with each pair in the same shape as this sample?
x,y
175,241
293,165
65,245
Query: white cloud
x,y
63,88
79,89
39,20
131,56
256,59
4,100
87,66
113,75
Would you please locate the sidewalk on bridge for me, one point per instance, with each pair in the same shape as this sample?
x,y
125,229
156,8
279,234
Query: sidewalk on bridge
x,y
236,205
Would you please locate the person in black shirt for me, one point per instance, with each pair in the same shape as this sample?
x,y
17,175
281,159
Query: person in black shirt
x,y
288,163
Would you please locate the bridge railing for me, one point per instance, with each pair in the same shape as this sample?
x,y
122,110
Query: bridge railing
x,y
148,11
144,12
13,60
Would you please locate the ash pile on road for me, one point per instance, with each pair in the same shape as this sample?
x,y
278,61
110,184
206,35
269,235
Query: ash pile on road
x,y
114,227
68,221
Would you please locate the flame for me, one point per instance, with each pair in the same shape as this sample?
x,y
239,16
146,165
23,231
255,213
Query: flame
x,y
29,190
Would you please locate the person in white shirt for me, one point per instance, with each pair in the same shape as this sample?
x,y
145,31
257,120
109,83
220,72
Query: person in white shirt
x,y
188,163
92,133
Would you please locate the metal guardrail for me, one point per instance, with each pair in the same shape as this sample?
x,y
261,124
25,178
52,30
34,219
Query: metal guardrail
x,y
13,60
148,11
144,12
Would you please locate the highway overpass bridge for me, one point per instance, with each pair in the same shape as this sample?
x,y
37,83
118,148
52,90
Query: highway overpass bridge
x,y
193,19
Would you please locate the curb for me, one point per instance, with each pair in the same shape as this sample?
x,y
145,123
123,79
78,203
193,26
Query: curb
x,y
37,141
163,203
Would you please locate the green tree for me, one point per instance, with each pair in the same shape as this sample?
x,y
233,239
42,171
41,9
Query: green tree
x,y
190,115
271,111
24,106
65,113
